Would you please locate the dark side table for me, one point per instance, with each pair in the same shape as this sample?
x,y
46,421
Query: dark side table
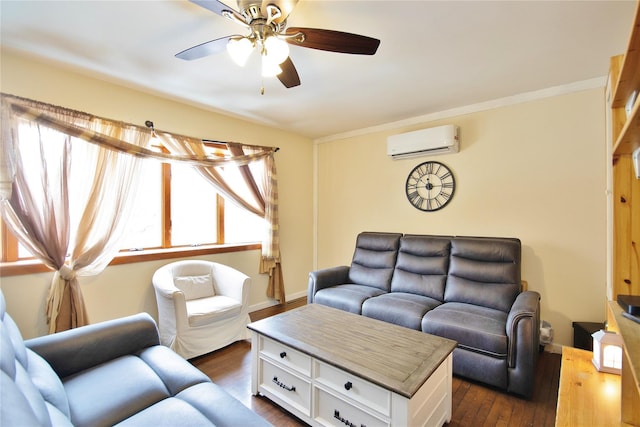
x,y
582,334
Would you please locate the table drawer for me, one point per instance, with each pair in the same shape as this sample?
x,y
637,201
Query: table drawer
x,y
354,387
286,386
331,411
292,359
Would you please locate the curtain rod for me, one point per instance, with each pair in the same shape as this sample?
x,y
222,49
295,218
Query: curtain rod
x,y
150,125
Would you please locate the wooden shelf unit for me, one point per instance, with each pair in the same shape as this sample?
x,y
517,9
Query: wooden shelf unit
x,y
624,80
627,138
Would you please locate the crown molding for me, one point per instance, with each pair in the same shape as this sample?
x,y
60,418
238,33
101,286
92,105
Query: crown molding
x,y
597,82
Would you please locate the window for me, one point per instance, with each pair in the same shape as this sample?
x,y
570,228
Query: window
x,y
193,208
175,207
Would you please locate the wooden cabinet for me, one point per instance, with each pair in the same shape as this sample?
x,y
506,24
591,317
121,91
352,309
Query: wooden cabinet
x,y
625,137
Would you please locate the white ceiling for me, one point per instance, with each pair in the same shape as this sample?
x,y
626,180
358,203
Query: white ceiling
x,y
433,56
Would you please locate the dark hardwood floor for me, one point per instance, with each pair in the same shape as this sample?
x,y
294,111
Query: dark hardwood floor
x,y
473,404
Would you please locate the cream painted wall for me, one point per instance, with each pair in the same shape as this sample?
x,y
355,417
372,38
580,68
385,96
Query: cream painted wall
x,y
126,289
534,170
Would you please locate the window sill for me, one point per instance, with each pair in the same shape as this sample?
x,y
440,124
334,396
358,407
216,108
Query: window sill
x,y
33,266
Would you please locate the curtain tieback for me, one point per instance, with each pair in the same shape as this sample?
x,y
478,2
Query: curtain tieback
x,y
66,273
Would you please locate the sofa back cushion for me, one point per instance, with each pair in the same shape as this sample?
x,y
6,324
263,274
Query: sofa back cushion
x,y
30,391
484,271
422,265
374,259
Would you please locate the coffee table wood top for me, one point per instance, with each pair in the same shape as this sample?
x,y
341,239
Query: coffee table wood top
x,y
396,358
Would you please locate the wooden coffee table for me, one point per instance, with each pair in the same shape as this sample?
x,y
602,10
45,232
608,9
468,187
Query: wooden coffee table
x,y
330,367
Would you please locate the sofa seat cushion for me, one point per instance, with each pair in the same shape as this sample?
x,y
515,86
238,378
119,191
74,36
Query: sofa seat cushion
x,y
202,404
400,308
347,297
168,412
203,311
113,391
475,328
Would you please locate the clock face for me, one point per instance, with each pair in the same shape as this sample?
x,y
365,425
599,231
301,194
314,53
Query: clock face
x,y
430,186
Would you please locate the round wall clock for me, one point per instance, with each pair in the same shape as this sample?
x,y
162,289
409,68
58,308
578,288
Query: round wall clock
x,y
430,186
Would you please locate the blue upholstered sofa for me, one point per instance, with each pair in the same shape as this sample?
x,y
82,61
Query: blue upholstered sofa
x,y
468,289
110,373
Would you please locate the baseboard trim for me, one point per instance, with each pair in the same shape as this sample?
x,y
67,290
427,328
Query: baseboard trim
x,y
271,302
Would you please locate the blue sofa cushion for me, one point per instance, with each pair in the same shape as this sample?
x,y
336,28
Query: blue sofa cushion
x,y
422,264
30,389
349,297
484,272
126,385
400,308
374,259
475,328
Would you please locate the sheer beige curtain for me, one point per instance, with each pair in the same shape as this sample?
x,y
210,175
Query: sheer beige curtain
x,y
264,188
258,193
70,218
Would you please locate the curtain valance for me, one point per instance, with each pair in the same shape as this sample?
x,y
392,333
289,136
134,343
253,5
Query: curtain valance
x,y
42,116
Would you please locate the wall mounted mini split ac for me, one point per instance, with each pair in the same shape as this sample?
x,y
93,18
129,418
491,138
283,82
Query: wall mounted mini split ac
x,y
424,142
636,161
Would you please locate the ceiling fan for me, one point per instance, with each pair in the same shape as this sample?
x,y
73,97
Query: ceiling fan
x,y
267,22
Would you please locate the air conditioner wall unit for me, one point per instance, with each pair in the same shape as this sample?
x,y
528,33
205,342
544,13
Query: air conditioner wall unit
x,y
424,142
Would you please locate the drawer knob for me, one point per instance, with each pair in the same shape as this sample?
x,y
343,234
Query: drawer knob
x,y
348,385
283,354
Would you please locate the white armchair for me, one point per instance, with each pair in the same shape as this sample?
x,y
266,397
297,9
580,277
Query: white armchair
x,y
202,306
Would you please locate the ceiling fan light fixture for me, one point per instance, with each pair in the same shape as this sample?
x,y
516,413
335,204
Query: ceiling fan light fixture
x,y
276,50
240,49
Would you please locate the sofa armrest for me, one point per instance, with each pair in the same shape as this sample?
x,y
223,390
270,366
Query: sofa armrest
x,y
321,279
523,332
75,350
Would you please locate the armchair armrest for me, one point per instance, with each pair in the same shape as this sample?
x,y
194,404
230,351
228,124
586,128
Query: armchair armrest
x,y
325,278
78,349
523,332
232,283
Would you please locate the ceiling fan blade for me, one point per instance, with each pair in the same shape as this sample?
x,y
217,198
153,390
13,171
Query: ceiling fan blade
x,y
219,8
285,6
333,41
211,47
289,76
